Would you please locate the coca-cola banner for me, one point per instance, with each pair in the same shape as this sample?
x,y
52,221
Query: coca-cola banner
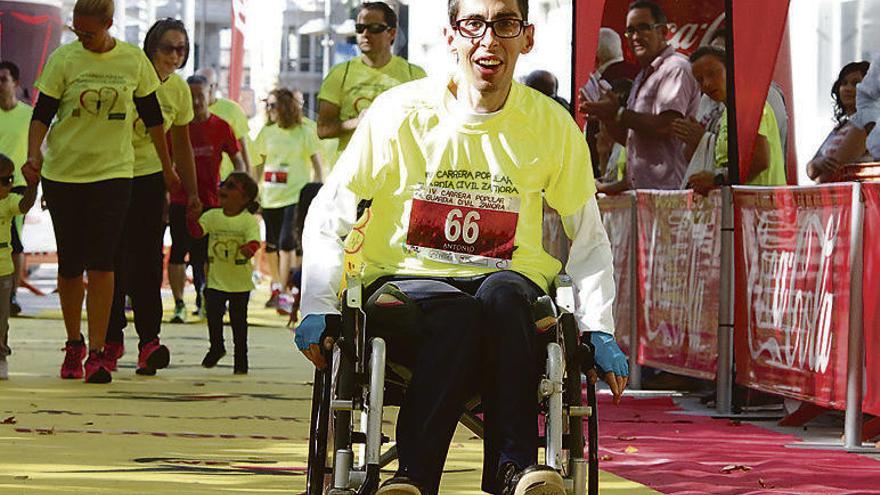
x,y
617,215
29,32
870,296
792,290
679,269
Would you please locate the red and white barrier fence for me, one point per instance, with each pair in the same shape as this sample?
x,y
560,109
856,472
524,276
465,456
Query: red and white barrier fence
x,y
800,331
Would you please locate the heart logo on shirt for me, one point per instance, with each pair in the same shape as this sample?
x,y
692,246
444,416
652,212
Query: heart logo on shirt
x,y
94,101
361,104
225,250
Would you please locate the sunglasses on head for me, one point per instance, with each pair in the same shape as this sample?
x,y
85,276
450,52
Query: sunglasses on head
x,y
373,28
6,180
168,49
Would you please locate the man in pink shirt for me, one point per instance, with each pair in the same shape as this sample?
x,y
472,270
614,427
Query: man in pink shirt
x,y
664,90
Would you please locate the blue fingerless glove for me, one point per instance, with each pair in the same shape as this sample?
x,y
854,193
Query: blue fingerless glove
x,y
609,357
309,331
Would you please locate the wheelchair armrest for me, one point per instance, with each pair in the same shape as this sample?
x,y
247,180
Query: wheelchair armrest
x,y
563,292
353,291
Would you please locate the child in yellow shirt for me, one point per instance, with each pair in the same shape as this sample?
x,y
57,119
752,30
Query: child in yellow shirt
x,y
233,239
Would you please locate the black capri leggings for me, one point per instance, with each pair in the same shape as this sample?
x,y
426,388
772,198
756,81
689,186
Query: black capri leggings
x,y
88,219
280,224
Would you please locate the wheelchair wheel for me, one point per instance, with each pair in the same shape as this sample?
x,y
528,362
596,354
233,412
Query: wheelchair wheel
x,y
317,473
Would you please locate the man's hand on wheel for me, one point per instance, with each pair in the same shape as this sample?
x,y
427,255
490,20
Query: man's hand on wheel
x,y
611,362
312,332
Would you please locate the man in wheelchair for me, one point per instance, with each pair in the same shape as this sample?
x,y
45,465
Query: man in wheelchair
x,y
456,170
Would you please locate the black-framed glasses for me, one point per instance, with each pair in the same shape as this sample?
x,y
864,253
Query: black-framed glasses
x,y
271,106
168,49
6,180
372,28
640,28
503,28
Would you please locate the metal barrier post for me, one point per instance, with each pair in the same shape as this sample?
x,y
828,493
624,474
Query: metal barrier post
x,y
856,354
635,370
724,373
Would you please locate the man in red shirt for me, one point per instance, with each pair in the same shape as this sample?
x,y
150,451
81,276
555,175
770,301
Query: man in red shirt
x,y
210,136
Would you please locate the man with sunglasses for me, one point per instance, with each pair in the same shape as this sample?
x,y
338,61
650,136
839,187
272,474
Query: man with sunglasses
x,y
351,86
663,91
15,119
457,168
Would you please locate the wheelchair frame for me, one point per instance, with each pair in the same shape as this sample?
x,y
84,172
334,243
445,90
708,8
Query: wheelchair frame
x,y
360,386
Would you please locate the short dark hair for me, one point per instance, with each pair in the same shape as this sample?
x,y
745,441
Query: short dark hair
x,y
709,51
12,68
157,30
452,8
656,12
719,33
387,12
197,79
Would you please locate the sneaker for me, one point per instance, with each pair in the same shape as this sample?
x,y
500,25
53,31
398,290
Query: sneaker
x,y
152,356
241,365
179,312
212,357
74,353
96,368
199,312
399,485
14,307
4,368
273,299
112,352
533,480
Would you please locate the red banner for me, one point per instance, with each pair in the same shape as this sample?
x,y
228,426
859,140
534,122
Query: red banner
x,y
236,56
617,215
29,32
792,291
870,296
679,270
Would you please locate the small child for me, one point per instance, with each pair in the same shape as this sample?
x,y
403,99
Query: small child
x,y
11,204
233,239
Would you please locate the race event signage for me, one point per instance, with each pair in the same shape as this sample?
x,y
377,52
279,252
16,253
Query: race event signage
x,y
617,217
679,268
792,290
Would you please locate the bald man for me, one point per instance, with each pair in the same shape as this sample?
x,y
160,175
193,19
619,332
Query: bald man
x,y
546,83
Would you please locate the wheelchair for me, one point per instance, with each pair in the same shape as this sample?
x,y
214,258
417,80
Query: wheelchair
x,y
363,377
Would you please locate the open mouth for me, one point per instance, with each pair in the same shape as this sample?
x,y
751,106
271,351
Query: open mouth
x,y
488,65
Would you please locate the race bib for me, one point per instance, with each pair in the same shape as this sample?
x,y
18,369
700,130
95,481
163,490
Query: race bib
x,y
462,228
275,177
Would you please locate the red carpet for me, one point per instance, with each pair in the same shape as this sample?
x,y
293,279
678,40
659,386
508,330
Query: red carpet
x,y
672,453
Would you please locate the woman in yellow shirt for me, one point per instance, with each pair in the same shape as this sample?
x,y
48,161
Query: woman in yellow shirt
x,y
288,155
139,263
93,86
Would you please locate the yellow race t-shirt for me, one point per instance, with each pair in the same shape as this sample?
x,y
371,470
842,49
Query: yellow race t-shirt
x,y
90,139
14,126
229,270
458,194
8,211
232,114
774,175
352,85
288,164
176,102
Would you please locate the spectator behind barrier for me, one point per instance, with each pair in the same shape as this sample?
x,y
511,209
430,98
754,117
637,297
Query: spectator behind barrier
x,y
663,91
825,167
546,83
767,167
413,137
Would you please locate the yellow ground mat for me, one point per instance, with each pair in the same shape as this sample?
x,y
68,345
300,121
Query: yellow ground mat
x,y
188,430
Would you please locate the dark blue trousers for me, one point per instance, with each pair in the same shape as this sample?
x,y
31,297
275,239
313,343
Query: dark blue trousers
x,y
480,339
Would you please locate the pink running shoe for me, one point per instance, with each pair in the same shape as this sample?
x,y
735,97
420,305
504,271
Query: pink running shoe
x,y
153,356
96,368
72,367
112,352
